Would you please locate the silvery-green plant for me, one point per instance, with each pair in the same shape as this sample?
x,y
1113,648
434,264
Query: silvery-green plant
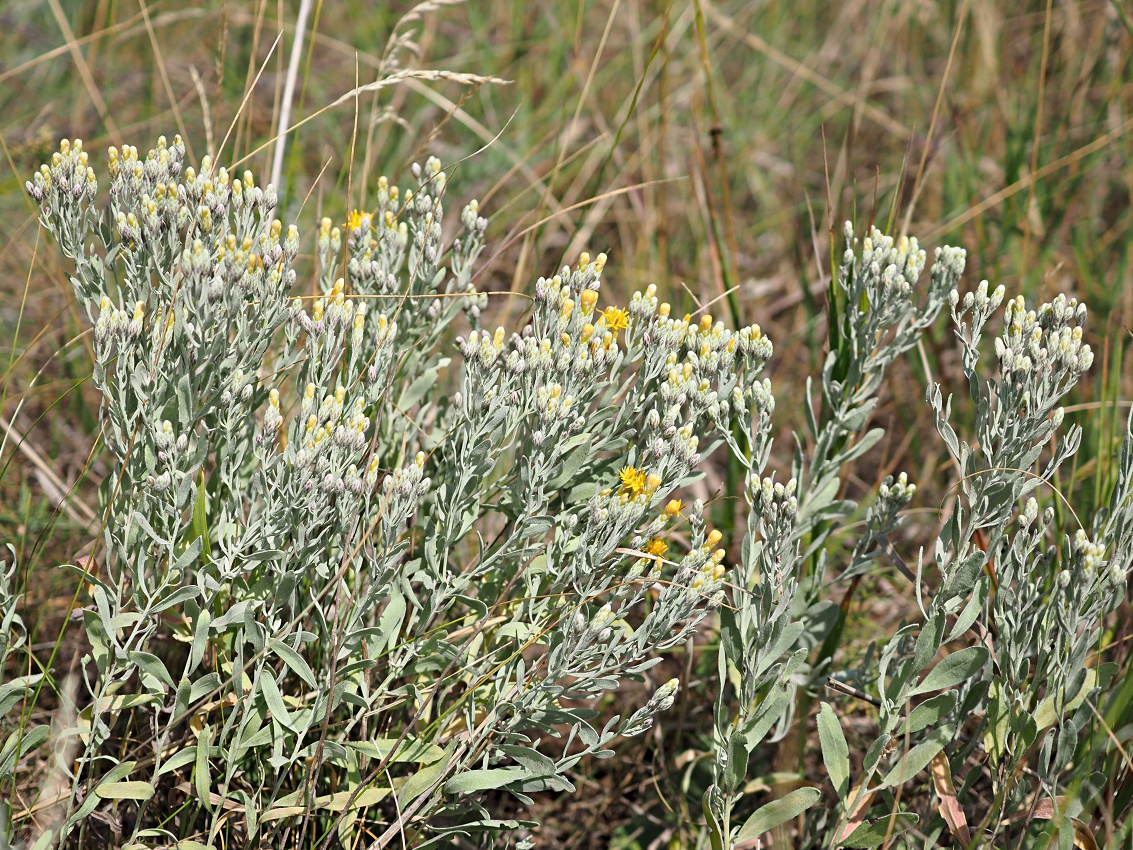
x,y
348,586
768,632
16,739
364,573
1017,608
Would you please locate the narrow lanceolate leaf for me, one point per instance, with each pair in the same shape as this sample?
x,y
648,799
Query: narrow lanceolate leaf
x,y
1047,712
484,780
274,700
410,750
777,812
918,758
835,751
136,790
199,527
294,661
201,773
425,778
956,668
872,834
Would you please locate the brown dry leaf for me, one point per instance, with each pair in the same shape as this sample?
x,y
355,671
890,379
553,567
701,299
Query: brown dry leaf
x,y
1083,837
1047,809
857,817
950,808
1044,809
200,716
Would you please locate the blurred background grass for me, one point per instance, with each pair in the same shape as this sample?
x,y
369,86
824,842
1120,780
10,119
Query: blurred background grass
x,y
707,147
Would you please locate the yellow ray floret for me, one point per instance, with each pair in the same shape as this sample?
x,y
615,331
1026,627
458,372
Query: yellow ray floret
x,y
354,220
633,481
616,318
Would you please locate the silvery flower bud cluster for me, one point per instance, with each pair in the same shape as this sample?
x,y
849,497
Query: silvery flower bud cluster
x,y
67,181
887,272
1042,351
408,484
642,719
981,303
1089,555
775,501
895,494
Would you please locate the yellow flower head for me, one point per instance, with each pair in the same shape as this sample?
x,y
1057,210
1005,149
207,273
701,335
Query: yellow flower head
x,y
354,220
656,546
674,507
616,318
633,481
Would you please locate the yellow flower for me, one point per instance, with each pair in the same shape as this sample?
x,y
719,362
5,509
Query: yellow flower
x,y
633,481
674,507
354,220
616,318
657,547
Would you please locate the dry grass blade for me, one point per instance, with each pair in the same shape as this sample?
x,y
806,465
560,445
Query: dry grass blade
x,y
804,72
396,78
62,494
165,80
289,94
996,198
84,71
